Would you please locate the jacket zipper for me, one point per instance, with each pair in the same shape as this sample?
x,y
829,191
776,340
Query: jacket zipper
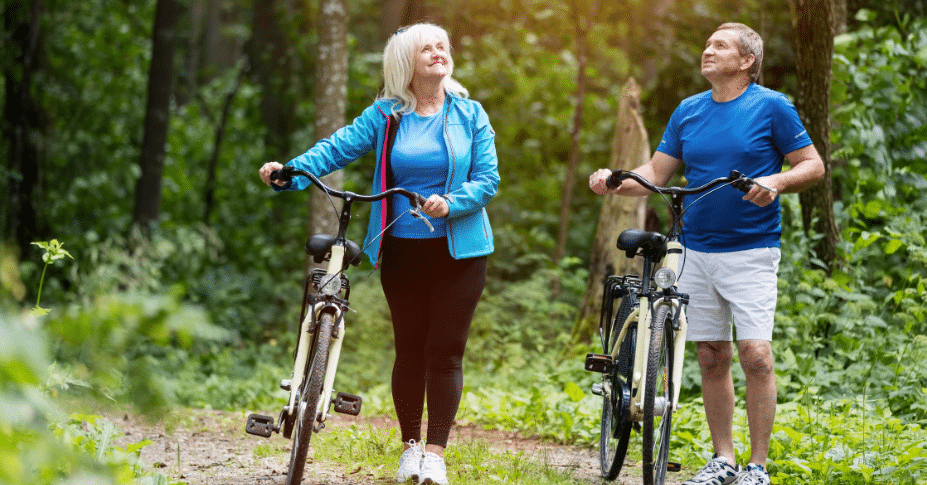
x,y
450,177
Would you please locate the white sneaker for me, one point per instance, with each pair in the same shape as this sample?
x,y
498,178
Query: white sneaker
x,y
410,463
716,472
433,469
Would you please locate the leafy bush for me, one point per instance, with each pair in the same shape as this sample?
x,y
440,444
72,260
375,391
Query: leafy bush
x,y
39,442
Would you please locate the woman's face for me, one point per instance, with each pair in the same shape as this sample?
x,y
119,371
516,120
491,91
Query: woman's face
x,y
432,61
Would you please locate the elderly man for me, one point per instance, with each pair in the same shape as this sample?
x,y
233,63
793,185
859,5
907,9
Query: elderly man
x,y
732,240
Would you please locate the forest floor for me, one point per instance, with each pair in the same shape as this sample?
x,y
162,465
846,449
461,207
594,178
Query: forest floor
x,y
205,447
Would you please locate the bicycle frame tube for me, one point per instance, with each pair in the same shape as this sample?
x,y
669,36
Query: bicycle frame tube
x,y
302,356
673,251
334,352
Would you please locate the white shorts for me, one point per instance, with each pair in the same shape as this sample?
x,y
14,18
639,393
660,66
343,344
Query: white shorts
x,y
738,285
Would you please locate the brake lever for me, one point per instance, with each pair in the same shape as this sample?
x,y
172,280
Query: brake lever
x,y
417,213
768,189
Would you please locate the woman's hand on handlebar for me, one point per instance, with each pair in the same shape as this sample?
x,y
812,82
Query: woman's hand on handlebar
x,y
436,206
269,168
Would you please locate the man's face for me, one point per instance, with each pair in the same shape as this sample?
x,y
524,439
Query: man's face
x,y
721,57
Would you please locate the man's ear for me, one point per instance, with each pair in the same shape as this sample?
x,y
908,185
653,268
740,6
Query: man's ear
x,y
748,62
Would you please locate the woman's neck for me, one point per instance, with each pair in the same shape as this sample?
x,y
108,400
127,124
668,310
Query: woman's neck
x,y
429,97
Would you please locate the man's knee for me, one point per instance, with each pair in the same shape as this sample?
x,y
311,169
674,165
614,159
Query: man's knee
x,y
714,358
756,358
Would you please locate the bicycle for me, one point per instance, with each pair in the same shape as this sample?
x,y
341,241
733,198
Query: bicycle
x,y
321,332
643,342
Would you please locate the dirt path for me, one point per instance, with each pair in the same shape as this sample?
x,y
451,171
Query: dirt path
x,y
210,448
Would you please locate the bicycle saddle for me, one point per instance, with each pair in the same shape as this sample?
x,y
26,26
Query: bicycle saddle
x,y
651,244
320,247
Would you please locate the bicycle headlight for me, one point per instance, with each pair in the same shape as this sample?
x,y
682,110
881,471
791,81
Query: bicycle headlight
x,y
665,278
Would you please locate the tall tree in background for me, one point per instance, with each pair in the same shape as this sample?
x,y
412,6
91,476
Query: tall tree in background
x,y
157,112
22,117
813,22
582,22
630,149
398,13
331,90
270,58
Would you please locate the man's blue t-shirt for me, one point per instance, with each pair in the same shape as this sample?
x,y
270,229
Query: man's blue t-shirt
x,y
750,134
419,163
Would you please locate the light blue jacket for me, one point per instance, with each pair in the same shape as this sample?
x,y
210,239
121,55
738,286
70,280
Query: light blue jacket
x,y
473,171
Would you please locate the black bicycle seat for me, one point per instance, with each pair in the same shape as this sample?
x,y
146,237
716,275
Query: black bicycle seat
x,y
320,247
651,244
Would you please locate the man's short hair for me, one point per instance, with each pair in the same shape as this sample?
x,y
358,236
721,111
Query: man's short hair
x,y
748,42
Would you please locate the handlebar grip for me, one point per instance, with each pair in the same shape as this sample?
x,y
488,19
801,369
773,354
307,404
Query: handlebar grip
x,y
614,181
285,174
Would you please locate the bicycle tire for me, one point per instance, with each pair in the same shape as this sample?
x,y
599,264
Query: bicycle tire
x,y
616,428
309,400
659,381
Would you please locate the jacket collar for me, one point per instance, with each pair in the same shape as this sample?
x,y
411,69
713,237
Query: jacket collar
x,y
385,106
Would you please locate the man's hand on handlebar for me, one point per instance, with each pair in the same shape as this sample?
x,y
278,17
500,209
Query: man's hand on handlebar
x,y
763,192
269,168
597,182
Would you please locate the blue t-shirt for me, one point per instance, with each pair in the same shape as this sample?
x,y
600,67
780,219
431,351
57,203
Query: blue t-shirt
x,y
751,134
419,163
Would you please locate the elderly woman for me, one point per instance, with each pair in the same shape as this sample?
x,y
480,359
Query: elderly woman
x,y
431,139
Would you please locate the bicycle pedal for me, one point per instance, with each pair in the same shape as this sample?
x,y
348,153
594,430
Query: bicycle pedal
x,y
673,467
259,425
599,363
345,403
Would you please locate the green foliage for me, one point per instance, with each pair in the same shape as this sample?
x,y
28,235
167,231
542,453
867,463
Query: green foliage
x,y
39,442
53,252
863,444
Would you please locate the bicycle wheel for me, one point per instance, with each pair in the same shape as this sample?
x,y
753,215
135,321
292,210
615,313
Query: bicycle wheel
x,y
309,400
616,428
658,398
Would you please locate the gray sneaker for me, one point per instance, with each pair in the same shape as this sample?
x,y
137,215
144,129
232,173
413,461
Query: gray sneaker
x,y
410,463
433,469
716,472
754,475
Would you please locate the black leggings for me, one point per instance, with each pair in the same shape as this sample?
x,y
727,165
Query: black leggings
x,y
431,298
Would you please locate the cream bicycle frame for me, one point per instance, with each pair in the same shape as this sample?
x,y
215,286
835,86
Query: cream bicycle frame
x,y
334,352
641,315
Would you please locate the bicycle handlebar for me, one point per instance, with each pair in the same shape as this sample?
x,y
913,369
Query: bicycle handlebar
x,y
737,180
287,173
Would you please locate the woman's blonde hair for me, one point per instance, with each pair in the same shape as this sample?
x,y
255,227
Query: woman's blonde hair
x,y
399,65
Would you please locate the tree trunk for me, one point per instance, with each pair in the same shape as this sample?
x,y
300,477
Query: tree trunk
x,y
813,22
392,13
840,17
582,27
157,113
210,190
270,62
23,120
331,83
630,149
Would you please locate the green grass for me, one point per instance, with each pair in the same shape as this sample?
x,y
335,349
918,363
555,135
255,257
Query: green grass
x,y
373,453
